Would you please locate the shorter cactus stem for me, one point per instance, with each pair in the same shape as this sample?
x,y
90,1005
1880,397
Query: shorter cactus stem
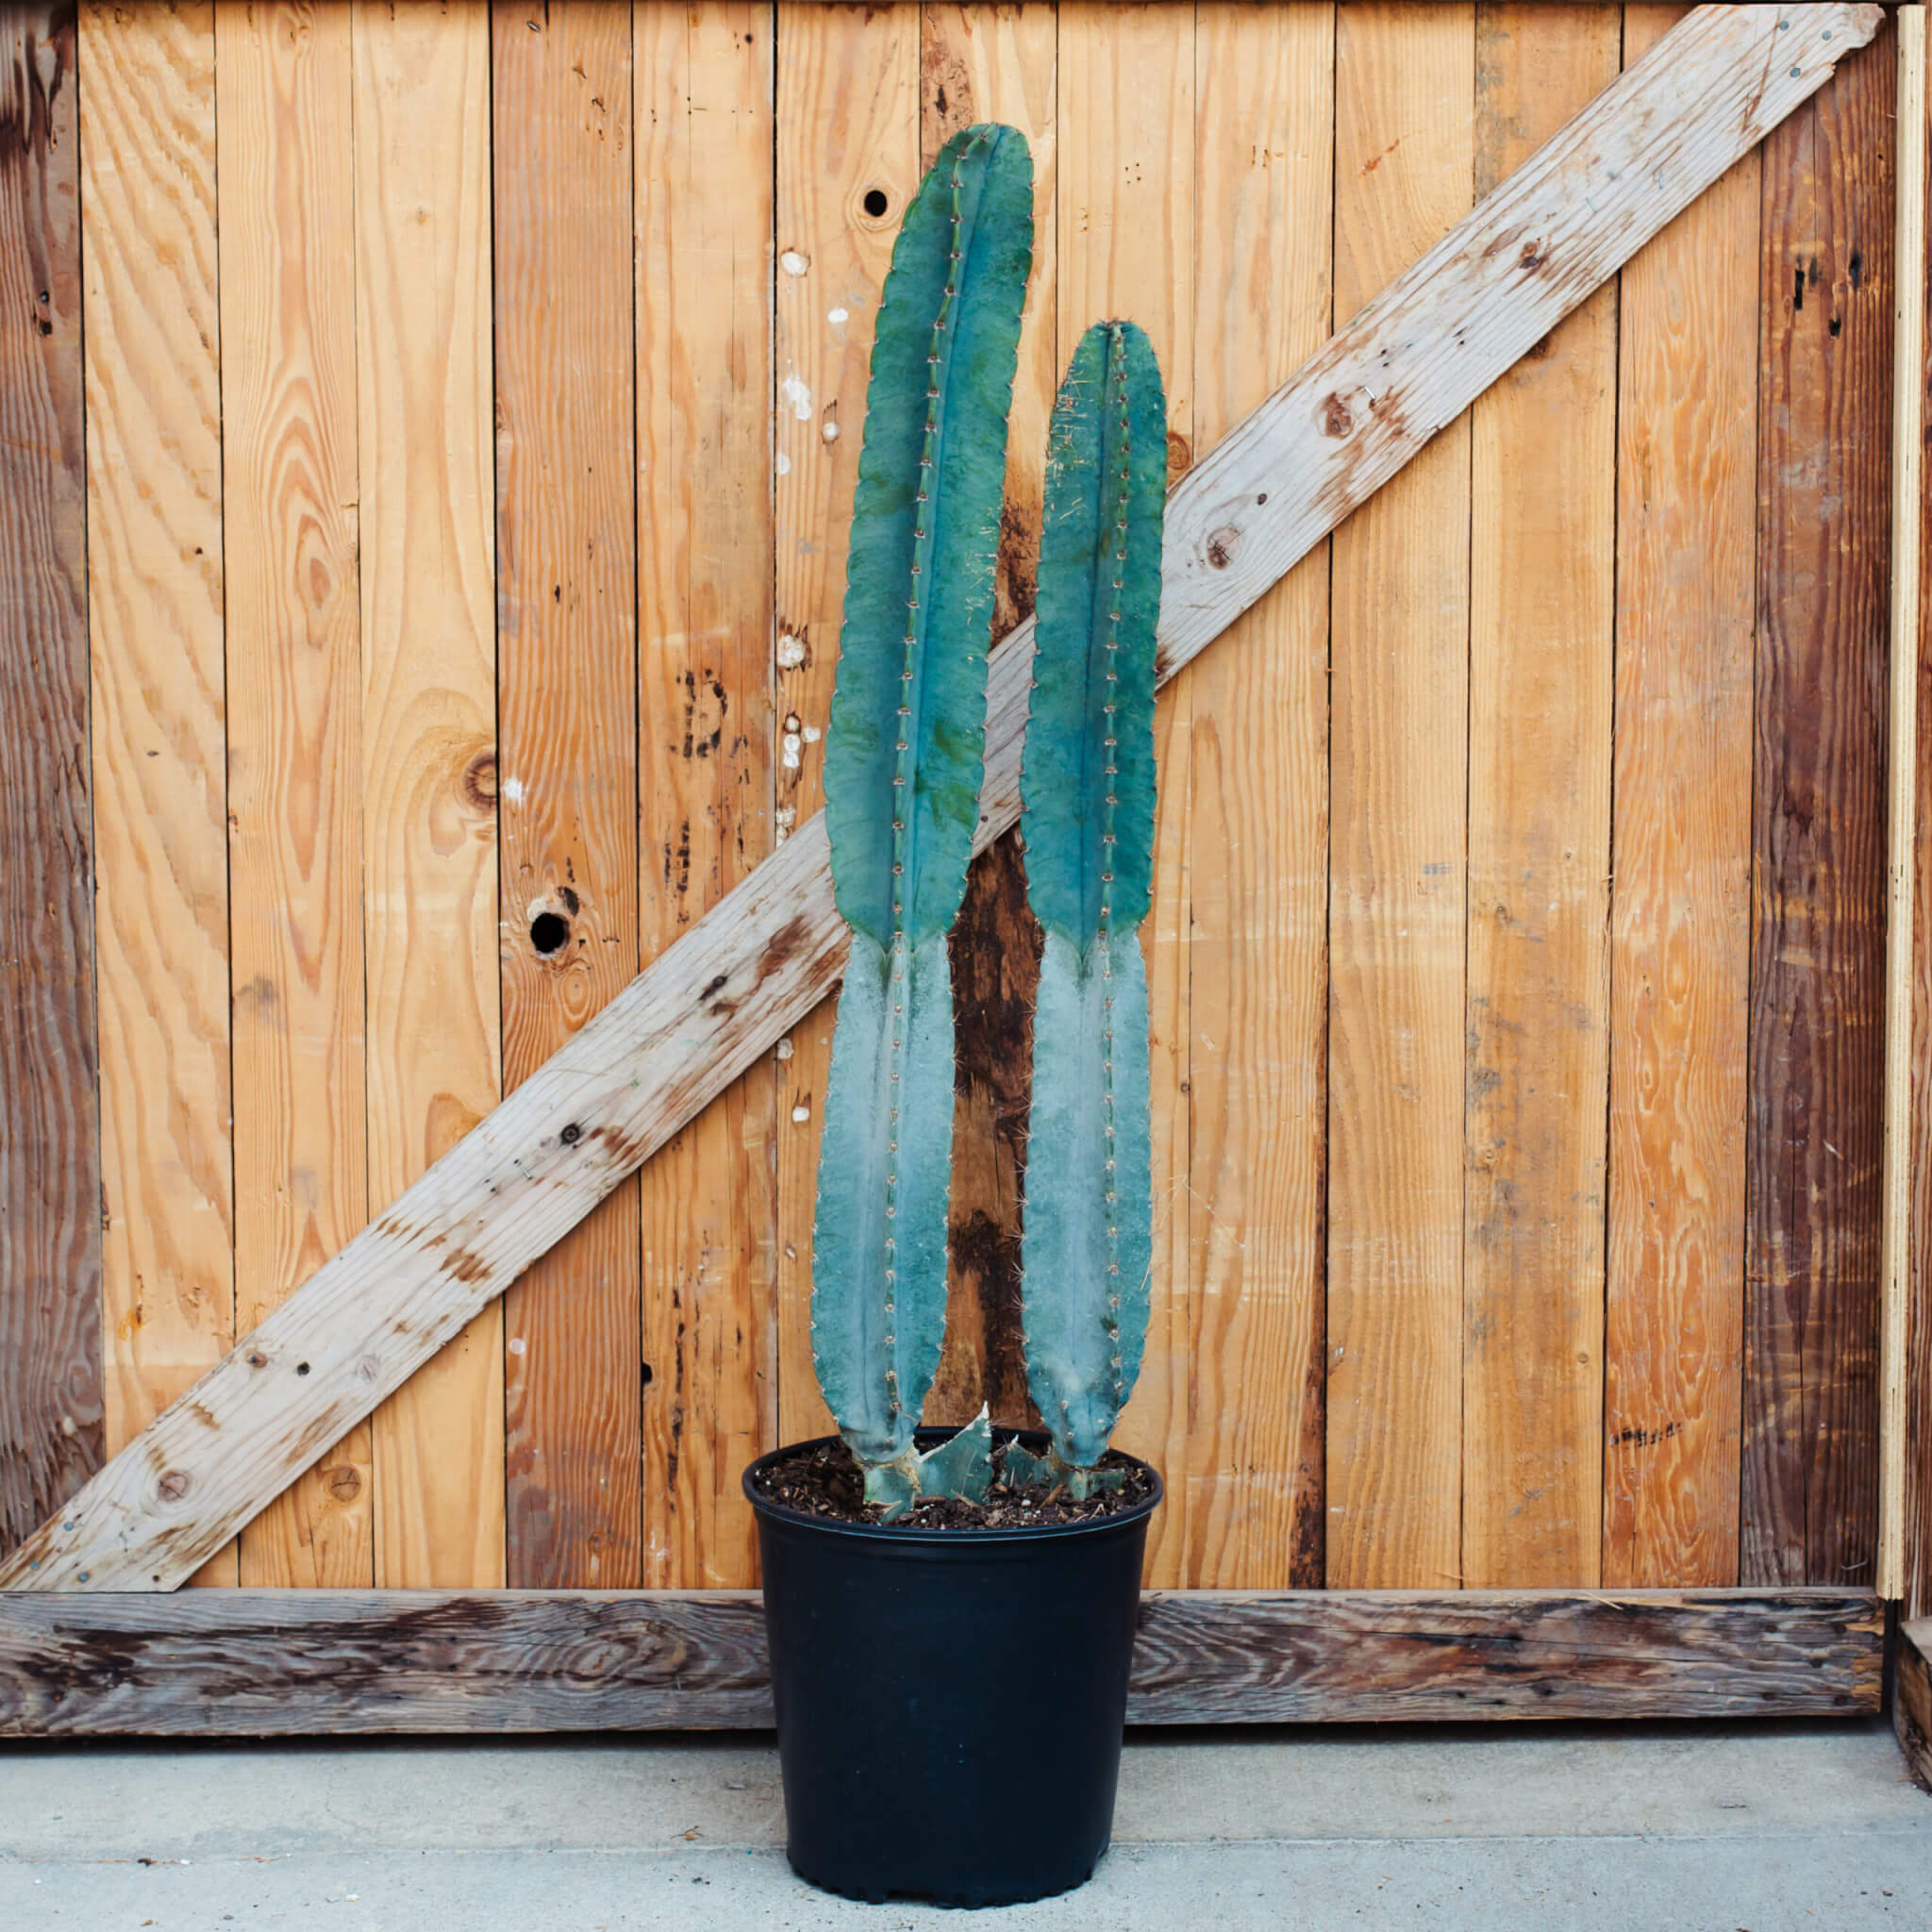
x,y
1088,804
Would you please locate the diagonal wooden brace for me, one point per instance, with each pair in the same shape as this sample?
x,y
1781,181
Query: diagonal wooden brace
x,y
688,1025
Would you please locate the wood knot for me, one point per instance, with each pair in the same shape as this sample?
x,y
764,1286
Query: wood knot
x,y
174,1485
1181,455
478,782
344,1482
1532,258
256,1359
1222,545
1336,421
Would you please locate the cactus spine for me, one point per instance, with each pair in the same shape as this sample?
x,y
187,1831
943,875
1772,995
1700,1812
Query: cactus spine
x,y
903,770
1088,794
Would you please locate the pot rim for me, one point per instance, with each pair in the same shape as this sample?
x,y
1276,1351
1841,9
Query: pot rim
x,y
946,1539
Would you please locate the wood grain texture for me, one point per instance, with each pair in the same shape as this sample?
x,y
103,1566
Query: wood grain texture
x,y
1810,1453
50,1225
1911,1699
1127,225
847,162
981,63
157,731
1399,651
772,947
285,161
703,200
1543,607
1680,926
429,857
1395,1657
568,747
1903,785
252,1663
1916,1582
1250,1464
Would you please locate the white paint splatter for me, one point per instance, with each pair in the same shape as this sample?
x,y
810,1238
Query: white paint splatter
x,y
791,651
513,790
797,391
837,315
783,465
783,1049
791,751
812,734
787,816
792,722
801,1112
830,430
795,263
517,1344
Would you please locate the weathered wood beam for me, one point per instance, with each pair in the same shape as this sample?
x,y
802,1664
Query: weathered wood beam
x,y
260,1663
1413,361
1911,1698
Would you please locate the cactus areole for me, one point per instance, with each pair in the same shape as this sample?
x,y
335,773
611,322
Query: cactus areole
x,y
903,766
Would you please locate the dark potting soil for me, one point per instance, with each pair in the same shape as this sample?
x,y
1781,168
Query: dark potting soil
x,y
827,1481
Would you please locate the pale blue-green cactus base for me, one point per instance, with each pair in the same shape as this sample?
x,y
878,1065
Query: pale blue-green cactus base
x,y
1023,1470
960,1467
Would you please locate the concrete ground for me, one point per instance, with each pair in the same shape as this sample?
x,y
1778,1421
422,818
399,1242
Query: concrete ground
x,y
1666,1829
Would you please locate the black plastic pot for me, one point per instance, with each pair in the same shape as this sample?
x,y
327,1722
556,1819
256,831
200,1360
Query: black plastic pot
x,y
950,1702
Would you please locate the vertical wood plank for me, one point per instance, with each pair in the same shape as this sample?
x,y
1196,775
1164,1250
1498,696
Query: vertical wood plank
x,y
847,163
50,1226
1817,835
1258,907
284,146
1917,1555
1680,921
1399,696
566,697
1903,785
1542,574
703,200
997,63
429,726
1126,247
154,426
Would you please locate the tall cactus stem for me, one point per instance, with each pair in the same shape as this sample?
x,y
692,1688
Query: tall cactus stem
x,y
903,773
1118,356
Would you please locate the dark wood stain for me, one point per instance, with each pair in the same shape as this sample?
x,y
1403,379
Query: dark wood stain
x,y
50,1175
1810,1452
994,952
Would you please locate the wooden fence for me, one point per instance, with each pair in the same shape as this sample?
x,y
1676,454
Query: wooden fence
x,y
426,440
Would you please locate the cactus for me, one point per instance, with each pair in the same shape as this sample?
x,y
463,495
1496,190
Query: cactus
x,y
904,763
1088,815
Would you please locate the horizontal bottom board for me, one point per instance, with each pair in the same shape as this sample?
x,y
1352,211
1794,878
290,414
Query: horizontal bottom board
x,y
272,1663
